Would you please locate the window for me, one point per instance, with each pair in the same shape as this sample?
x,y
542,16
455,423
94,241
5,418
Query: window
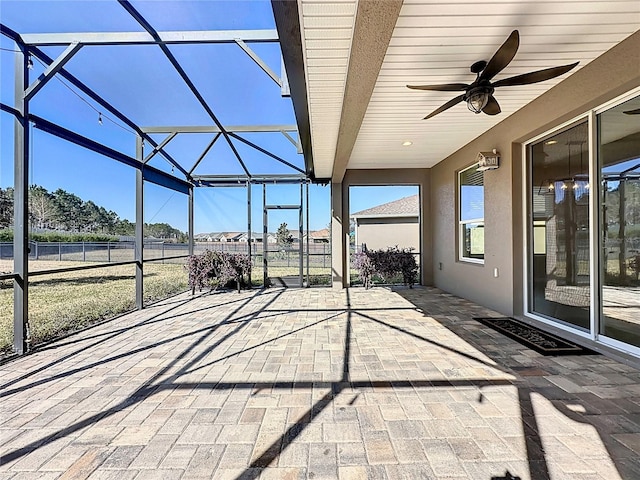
x,y
471,214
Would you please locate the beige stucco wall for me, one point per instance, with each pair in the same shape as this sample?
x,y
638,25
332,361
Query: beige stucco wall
x,y
613,74
381,233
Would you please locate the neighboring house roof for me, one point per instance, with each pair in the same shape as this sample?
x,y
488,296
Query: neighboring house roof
x,y
206,236
294,234
230,236
254,236
320,234
404,207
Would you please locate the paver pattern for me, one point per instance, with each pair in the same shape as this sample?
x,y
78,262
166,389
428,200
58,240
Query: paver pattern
x,y
314,383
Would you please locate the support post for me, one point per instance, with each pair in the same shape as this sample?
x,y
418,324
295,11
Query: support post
x,y
249,226
21,208
337,239
191,229
264,235
300,243
308,252
139,227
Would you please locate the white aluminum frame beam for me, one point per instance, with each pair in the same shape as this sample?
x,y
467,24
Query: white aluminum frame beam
x,y
292,140
183,74
256,58
204,152
159,147
144,38
52,69
215,129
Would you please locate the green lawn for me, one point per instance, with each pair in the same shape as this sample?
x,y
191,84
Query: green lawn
x,y
63,302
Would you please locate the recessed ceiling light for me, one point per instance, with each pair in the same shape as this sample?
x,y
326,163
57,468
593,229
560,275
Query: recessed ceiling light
x,y
551,142
406,143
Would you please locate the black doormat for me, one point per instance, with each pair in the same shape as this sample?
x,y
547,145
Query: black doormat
x,y
532,337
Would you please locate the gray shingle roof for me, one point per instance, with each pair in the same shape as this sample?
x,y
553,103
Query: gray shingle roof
x,y
407,206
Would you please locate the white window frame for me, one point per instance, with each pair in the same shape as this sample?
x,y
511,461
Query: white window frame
x,y
462,223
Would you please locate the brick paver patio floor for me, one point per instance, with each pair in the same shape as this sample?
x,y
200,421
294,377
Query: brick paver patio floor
x,y
315,383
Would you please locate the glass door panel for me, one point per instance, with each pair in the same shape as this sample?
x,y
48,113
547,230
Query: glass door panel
x,y
559,227
619,164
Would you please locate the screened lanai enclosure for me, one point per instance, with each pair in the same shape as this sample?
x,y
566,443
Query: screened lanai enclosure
x,y
135,137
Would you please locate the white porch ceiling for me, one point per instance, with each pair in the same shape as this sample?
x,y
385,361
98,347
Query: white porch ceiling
x,y
436,42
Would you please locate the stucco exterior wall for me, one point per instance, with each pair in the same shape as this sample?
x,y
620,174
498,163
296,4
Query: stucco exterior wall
x,y
609,76
380,233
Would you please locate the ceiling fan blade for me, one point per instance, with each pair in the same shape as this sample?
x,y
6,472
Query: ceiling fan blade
x,y
534,77
446,87
502,57
492,107
633,112
446,106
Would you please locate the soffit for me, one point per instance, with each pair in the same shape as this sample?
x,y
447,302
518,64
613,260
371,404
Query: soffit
x,y
327,29
435,42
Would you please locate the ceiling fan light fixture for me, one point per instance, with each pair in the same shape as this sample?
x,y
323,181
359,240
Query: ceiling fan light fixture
x,y
477,100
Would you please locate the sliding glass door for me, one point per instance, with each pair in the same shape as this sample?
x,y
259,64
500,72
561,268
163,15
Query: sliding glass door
x,y
619,170
583,207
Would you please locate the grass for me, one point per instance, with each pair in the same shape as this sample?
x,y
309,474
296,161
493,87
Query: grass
x,y
64,302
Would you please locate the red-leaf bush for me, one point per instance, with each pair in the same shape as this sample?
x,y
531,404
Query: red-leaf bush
x,y
386,264
215,269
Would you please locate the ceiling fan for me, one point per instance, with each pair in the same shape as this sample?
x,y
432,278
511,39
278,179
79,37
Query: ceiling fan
x,y
633,112
479,94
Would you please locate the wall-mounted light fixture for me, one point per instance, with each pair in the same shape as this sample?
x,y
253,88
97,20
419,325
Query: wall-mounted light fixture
x,y
488,160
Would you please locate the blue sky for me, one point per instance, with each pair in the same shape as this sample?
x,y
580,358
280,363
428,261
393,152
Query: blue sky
x,y
139,81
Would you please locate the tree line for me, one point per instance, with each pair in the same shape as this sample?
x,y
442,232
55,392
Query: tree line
x,y
62,211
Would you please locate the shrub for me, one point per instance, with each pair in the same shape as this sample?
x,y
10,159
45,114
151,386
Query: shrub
x,y
386,264
7,236
215,269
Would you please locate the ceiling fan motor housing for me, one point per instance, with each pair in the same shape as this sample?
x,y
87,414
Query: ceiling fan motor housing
x,y
478,67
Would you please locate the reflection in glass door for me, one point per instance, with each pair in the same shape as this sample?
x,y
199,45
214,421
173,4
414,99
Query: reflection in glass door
x,y
619,164
559,260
